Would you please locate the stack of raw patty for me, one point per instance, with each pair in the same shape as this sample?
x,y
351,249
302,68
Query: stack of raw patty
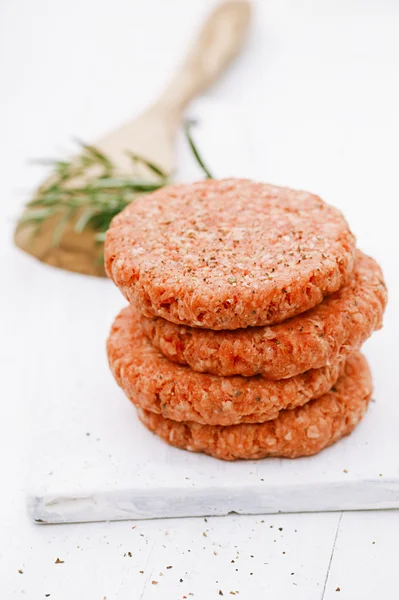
x,y
248,306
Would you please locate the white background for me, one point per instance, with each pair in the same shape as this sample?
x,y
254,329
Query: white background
x,y
318,73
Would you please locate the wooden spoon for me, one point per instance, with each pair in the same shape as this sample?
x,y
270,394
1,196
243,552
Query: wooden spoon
x,y
151,135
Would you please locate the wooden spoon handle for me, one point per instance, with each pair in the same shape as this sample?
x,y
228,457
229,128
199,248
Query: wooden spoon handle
x,y
219,41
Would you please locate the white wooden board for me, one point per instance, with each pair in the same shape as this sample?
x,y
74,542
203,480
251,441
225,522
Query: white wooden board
x,y
92,459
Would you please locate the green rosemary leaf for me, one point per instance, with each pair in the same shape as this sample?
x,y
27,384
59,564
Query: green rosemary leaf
x,y
62,169
96,154
101,221
45,162
187,127
153,167
147,186
134,184
59,230
36,215
100,237
106,202
84,219
51,199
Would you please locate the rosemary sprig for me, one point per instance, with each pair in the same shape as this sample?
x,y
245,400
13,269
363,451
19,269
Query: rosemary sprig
x,y
90,191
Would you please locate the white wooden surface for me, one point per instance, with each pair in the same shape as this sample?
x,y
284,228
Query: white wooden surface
x,y
305,62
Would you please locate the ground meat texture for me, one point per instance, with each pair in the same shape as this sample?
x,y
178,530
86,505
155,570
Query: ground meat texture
x,y
299,432
333,329
228,254
154,383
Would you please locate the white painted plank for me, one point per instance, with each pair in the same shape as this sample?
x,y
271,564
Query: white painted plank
x,y
365,557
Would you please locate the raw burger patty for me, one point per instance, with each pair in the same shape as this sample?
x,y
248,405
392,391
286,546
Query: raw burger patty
x,y
299,432
228,254
154,383
334,328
